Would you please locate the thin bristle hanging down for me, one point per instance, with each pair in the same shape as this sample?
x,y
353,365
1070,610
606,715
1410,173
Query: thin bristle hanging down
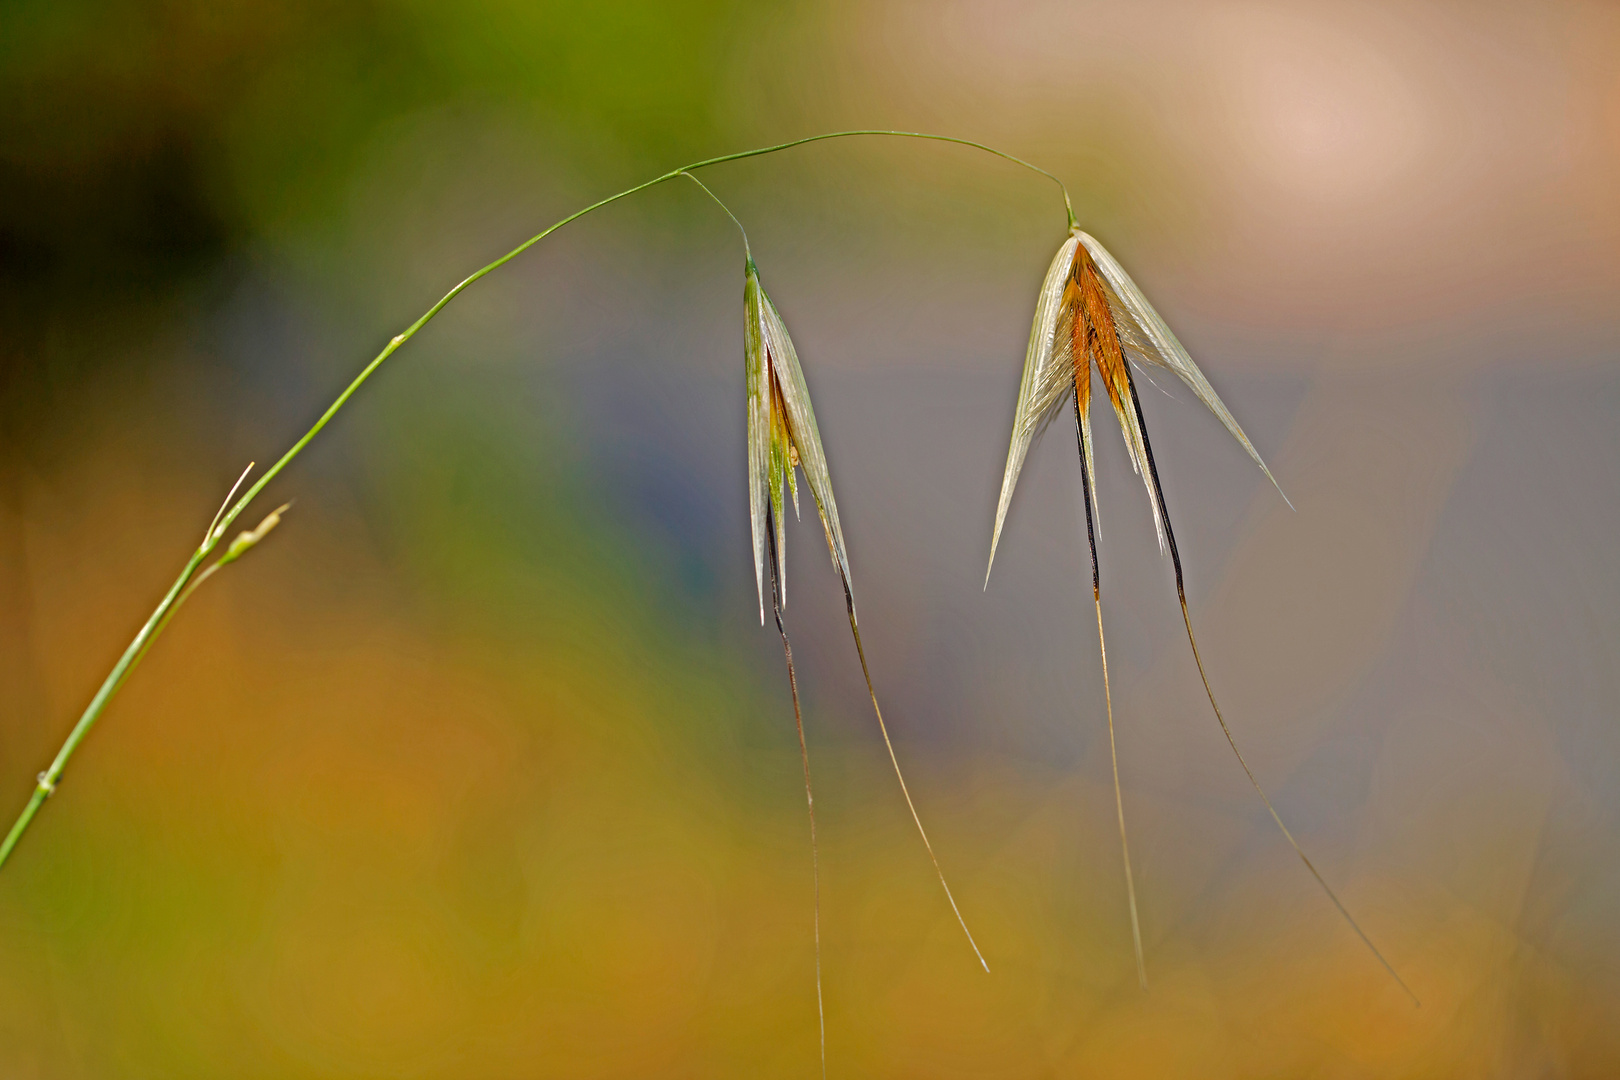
x,y
883,728
1192,641
810,802
1088,485
782,436
1119,803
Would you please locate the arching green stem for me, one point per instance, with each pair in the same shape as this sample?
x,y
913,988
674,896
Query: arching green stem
x,y
747,250
159,618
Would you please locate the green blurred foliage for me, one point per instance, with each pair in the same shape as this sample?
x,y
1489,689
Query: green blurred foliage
x,y
142,142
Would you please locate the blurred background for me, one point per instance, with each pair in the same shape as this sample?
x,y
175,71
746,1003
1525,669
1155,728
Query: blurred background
x,y
482,765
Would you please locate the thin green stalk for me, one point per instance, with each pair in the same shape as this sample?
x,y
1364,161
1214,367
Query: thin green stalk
x,y
46,785
159,618
747,251
178,594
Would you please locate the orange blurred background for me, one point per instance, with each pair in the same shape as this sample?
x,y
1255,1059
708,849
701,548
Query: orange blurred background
x,y
482,765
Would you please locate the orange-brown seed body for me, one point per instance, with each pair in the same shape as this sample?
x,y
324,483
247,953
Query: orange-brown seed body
x,y
1095,338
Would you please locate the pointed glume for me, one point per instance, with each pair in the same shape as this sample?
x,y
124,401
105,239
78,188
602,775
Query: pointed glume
x,y
1039,388
810,799
1156,344
1181,594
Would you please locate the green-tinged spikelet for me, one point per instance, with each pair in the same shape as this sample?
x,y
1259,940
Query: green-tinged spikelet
x,y
782,436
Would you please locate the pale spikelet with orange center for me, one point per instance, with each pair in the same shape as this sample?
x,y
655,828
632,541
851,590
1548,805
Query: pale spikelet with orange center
x,y
1091,314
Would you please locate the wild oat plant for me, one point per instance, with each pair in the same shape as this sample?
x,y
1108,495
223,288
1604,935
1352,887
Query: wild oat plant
x,y
1089,312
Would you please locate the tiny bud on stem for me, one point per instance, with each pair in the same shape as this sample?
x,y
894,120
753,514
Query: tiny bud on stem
x,y
245,541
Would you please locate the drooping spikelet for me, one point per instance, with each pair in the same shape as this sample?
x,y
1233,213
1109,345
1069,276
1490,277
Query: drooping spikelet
x,y
1091,313
782,436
